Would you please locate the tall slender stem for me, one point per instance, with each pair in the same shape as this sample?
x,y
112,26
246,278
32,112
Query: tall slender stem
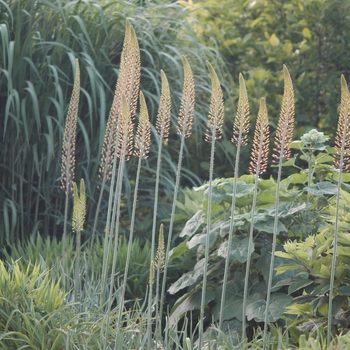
x,y
207,241
171,225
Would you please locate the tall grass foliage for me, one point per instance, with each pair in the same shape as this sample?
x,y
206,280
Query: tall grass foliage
x,y
40,42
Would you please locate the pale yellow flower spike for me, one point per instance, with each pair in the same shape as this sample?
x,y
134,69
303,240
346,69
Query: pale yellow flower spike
x,y
241,124
186,112
164,110
260,149
285,126
216,109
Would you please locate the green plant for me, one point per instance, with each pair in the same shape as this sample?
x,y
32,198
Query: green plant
x,y
31,308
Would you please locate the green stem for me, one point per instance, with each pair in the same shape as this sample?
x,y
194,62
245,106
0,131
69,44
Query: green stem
x,y
229,244
177,185
155,210
273,250
207,241
107,246
131,234
77,266
117,199
249,254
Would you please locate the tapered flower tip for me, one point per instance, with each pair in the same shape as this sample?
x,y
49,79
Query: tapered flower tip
x,y
242,87
164,78
213,75
344,85
262,106
286,76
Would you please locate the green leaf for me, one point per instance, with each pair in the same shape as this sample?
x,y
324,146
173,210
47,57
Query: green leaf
x,y
322,188
285,209
306,33
179,250
278,304
298,283
239,249
193,224
188,278
190,302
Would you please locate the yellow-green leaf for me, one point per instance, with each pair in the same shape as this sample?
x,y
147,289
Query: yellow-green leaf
x,y
306,33
274,41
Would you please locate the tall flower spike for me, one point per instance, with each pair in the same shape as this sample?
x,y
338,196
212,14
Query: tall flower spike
x,y
342,137
185,118
160,255
143,134
68,146
241,124
260,150
216,110
164,110
128,83
285,126
79,209
126,133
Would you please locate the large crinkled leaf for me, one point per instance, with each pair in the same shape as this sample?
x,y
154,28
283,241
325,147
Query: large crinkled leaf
x,y
263,264
322,188
239,249
234,296
190,302
193,224
188,279
278,303
200,238
285,209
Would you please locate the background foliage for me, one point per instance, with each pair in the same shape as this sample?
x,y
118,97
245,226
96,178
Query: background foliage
x,y
256,38
39,43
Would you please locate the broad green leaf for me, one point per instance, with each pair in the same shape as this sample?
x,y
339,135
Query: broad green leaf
x,y
322,188
179,250
193,224
278,304
239,249
344,290
188,278
298,283
299,309
286,208
191,302
298,178
200,239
